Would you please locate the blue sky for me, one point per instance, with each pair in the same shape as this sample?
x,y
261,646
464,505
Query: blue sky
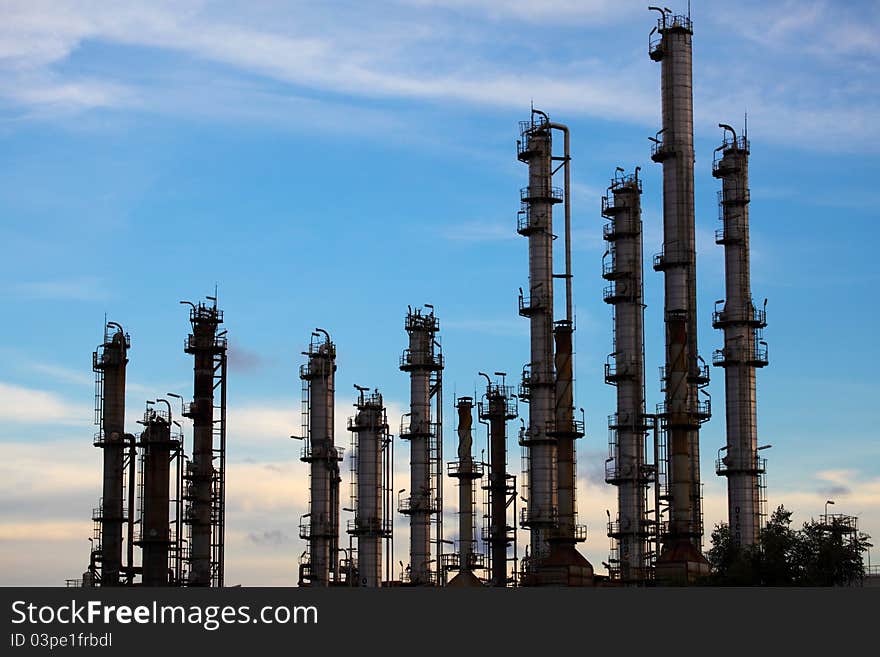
x,y
329,163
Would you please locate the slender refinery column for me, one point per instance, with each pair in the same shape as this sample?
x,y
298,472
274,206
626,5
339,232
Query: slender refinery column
x,y
110,361
466,473
744,350
206,346
420,360
370,430
496,407
683,374
536,223
323,458
157,445
625,468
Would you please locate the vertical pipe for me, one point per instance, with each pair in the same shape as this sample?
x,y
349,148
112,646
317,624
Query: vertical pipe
x,y
566,159
565,432
743,350
109,362
683,375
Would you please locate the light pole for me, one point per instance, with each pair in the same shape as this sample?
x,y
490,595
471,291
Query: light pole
x,y
827,502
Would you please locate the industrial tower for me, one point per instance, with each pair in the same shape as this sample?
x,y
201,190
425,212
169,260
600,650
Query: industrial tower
x,y
468,559
206,472
549,453
497,406
109,362
424,362
371,488
685,376
320,526
160,447
627,466
744,348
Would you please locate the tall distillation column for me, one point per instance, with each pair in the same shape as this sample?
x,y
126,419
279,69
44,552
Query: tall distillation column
x,y
467,472
744,349
626,466
371,488
424,362
497,406
548,381
535,222
321,528
684,375
109,362
206,477
158,446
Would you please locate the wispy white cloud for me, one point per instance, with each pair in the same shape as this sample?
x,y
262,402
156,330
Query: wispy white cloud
x,y
20,404
550,11
81,377
82,288
455,61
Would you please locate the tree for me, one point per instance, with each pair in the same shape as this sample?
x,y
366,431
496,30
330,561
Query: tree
x,y
730,565
819,554
778,550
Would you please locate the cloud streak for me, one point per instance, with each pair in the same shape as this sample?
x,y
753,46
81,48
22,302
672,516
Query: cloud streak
x,y
460,59
83,288
29,405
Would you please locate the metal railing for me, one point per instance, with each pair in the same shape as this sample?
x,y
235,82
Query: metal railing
x,y
616,291
410,360
758,356
659,150
645,529
748,314
613,268
702,409
406,506
324,368
722,165
328,451
375,526
407,430
542,192
579,533
732,231
528,518
571,427
530,304
615,473
217,343
616,370
465,468
724,468
416,321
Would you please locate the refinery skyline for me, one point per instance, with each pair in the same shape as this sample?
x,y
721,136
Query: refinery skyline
x,y
414,202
